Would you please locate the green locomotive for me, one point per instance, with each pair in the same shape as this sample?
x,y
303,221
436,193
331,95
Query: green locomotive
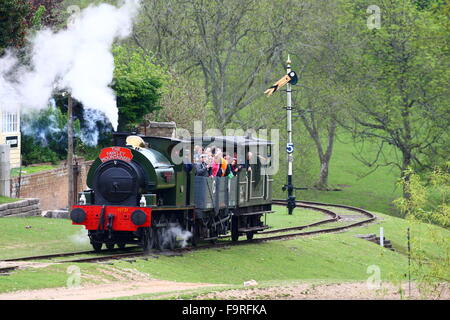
x,y
147,190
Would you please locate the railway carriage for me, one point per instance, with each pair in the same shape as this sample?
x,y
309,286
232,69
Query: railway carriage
x,y
145,190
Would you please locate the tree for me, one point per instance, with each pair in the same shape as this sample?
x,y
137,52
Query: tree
x,y
44,13
319,53
227,46
44,135
136,82
13,26
399,92
181,102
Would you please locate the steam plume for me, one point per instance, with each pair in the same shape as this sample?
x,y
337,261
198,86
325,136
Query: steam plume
x,y
78,59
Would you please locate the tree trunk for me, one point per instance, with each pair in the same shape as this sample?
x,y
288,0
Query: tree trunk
x,y
406,175
322,183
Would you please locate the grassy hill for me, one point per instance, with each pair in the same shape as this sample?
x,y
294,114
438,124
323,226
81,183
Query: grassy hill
x,y
374,192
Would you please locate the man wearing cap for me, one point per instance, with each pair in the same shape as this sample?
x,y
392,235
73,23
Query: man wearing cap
x,y
201,168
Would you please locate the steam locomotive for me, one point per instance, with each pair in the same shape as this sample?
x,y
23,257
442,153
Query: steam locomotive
x,y
143,188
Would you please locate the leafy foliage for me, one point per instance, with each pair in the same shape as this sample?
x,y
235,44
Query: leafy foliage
x,y
44,13
13,24
420,205
33,152
136,82
181,102
398,90
430,271
44,135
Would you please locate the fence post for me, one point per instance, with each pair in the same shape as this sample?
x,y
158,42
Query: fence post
x,y
381,236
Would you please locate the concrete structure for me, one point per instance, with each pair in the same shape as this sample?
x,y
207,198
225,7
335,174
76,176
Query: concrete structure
x,y
10,134
21,208
5,170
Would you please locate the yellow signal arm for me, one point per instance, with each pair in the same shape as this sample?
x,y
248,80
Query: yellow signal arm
x,y
290,77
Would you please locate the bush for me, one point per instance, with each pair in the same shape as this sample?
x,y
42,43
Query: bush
x,y
34,153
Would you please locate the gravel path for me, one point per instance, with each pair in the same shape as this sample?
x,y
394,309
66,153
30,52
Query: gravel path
x,y
103,291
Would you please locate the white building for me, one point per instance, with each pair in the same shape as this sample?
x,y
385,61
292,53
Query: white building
x,y
10,134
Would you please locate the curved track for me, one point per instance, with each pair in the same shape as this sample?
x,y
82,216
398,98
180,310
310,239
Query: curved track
x,y
362,217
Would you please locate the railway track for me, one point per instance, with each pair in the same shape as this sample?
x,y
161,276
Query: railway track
x,y
282,233
65,254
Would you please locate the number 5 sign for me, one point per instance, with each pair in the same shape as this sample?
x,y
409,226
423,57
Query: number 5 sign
x,y
289,148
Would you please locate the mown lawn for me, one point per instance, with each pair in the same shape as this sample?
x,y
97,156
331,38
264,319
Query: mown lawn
x,y
31,236
327,257
339,256
7,199
31,169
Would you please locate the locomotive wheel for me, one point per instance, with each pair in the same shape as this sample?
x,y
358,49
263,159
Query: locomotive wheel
x,y
109,245
146,239
97,246
250,235
151,238
158,239
195,235
234,228
121,245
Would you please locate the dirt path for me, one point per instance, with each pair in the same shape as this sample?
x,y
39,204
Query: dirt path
x,y
103,291
346,291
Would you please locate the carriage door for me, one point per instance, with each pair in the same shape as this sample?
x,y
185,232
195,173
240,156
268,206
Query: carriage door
x,y
256,179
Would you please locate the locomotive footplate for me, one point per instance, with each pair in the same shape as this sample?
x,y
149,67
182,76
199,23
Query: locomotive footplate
x,y
253,229
253,213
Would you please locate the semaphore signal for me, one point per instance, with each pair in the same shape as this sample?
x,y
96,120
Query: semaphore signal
x,y
289,79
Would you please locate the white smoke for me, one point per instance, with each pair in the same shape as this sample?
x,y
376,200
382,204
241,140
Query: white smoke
x,y
77,59
89,132
80,238
175,231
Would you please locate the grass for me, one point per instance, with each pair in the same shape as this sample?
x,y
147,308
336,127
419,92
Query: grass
x,y
331,257
280,218
7,199
31,169
327,257
373,192
29,236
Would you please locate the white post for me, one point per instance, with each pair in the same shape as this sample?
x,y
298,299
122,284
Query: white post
x,y
5,168
289,116
381,237
290,158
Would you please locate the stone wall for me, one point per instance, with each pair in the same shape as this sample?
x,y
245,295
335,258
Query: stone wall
x,y
21,208
50,187
158,129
